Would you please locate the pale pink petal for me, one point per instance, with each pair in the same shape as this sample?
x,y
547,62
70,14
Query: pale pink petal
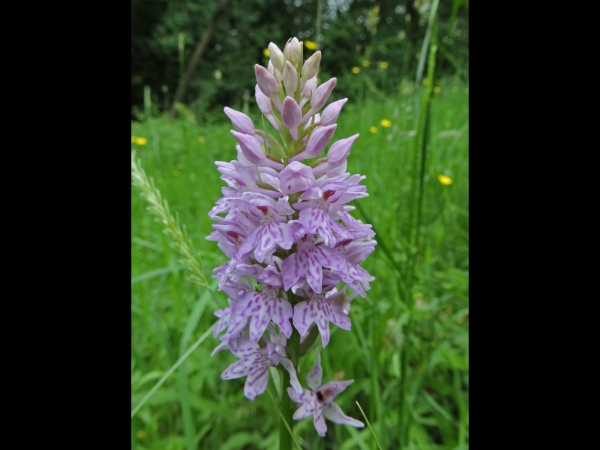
x,y
319,422
306,410
314,377
334,413
287,364
291,269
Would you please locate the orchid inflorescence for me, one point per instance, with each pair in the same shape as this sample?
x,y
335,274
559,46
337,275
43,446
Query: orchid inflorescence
x,y
286,229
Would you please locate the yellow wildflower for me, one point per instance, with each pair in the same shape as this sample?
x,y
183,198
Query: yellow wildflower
x,y
385,123
383,64
141,141
426,82
445,180
141,434
200,138
266,52
355,69
159,180
311,45
437,89
366,63
448,125
373,129
176,173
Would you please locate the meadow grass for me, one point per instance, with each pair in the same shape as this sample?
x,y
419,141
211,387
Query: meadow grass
x,y
194,408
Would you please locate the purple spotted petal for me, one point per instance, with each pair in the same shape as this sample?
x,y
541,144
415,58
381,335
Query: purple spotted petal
x,y
307,400
244,348
258,378
237,369
281,313
302,397
291,269
319,422
317,220
272,235
307,262
307,313
264,306
319,311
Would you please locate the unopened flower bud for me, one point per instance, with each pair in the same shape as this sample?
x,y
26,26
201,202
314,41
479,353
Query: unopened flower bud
x,y
264,104
331,113
266,82
337,155
290,79
250,146
293,51
319,139
340,150
319,97
310,68
321,94
277,57
273,71
296,177
291,115
307,91
240,121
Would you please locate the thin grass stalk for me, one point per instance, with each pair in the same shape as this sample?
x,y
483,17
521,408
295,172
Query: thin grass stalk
x,y
159,208
286,423
318,23
422,114
170,371
287,428
418,102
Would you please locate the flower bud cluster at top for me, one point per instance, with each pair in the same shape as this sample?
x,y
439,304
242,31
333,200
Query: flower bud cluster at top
x,y
284,224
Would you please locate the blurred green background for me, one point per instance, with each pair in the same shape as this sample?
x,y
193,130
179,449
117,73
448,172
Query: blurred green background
x,y
165,35
408,347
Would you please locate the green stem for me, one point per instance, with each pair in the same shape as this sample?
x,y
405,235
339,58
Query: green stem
x,y
422,118
403,415
285,438
287,406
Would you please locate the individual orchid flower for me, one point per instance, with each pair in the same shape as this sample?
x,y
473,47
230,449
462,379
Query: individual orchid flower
x,y
263,307
319,401
254,364
320,310
307,262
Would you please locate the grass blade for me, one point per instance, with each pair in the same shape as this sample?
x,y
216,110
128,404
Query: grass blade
x,y
283,419
170,371
369,425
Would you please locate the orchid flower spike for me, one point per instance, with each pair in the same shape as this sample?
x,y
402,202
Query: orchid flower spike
x,y
292,250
